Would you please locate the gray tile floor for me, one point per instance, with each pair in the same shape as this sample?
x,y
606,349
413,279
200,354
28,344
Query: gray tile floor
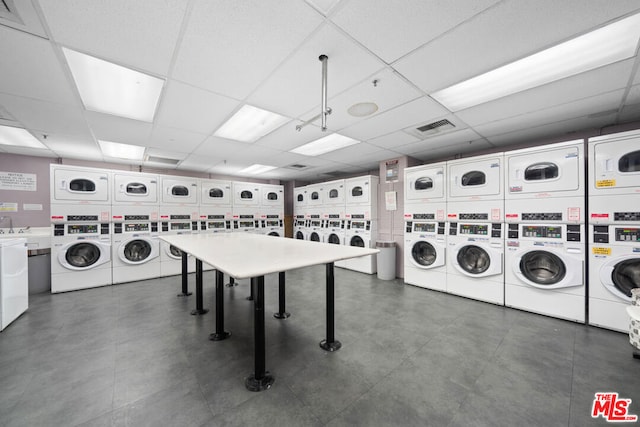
x,y
132,355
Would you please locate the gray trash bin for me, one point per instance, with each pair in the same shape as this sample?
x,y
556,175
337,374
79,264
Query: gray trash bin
x,y
386,260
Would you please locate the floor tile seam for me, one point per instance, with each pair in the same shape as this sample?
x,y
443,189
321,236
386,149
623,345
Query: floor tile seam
x,y
573,378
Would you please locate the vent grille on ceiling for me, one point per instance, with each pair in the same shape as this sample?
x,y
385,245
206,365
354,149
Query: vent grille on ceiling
x,y
8,11
297,166
163,160
431,129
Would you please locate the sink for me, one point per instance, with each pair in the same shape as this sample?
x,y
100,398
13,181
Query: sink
x,y
37,237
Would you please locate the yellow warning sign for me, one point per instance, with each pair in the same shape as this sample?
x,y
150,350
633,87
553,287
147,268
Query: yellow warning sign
x,y
601,251
606,183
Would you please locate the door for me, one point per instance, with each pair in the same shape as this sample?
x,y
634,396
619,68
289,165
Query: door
x,y
475,178
84,255
79,185
357,241
138,251
215,193
246,194
616,163
545,171
179,191
135,188
621,275
334,239
425,255
424,183
477,260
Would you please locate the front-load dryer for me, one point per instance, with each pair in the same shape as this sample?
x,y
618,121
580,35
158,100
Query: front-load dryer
x,y
425,254
246,194
361,233
545,269
475,261
547,180
334,193
79,185
131,188
425,184
362,193
178,191
614,179
614,271
80,254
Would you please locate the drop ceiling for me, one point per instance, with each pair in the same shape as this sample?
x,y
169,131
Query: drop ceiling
x,y
217,56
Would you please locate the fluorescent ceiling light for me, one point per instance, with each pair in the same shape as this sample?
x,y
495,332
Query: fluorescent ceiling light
x,y
606,45
19,137
324,145
121,151
257,169
250,124
112,89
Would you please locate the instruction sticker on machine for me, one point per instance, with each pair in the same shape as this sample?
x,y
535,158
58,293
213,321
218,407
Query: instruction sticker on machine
x,y
605,183
601,251
17,181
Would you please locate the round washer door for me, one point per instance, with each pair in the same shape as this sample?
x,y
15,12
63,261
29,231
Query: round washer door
x,y
84,255
473,260
424,254
357,241
542,268
620,276
173,252
334,239
138,251
314,237
299,235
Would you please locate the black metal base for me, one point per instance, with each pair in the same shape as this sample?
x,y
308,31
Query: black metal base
x,y
262,384
219,336
330,346
184,295
284,315
199,312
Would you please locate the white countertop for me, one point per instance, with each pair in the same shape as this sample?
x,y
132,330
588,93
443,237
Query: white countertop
x,y
246,255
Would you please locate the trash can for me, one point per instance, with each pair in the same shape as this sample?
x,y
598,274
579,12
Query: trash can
x,y
386,260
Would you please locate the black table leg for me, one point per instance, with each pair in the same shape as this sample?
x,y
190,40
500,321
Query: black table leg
x,y
260,379
330,343
220,334
185,277
282,313
251,291
232,282
199,309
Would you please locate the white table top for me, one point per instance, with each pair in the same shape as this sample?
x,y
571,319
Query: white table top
x,y
246,255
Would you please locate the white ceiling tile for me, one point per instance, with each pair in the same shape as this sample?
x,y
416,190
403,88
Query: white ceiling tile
x,y
324,6
221,148
357,154
198,163
29,17
453,151
507,32
296,85
46,117
393,29
438,142
74,147
591,83
187,107
179,140
633,97
27,151
141,33
230,47
287,137
34,70
630,113
393,140
118,129
417,111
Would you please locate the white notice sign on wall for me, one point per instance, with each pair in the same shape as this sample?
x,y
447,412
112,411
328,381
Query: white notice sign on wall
x,y
17,181
390,200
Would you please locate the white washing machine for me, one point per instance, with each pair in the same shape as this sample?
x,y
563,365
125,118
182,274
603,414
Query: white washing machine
x,y
315,230
614,270
176,220
335,234
300,227
361,196
475,261
545,269
81,251
130,188
425,247
362,233
546,183
178,191
134,243
79,185
614,179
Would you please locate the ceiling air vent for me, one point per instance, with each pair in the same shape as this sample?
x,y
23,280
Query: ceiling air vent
x,y
431,129
162,160
8,11
297,166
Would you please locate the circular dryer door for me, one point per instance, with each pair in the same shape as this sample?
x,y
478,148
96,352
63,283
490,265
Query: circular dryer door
x,y
474,260
357,241
315,237
543,268
625,276
334,239
424,254
137,251
83,255
299,235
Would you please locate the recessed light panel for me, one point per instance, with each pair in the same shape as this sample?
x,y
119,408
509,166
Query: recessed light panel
x,y
18,137
257,169
324,145
112,89
121,151
250,124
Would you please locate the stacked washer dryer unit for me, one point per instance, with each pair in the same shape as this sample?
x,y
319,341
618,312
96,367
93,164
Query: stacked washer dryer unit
x,y
246,207
135,214
179,214
614,227
315,209
81,228
334,230
545,241
361,213
215,211
300,213
475,244
271,219
425,207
